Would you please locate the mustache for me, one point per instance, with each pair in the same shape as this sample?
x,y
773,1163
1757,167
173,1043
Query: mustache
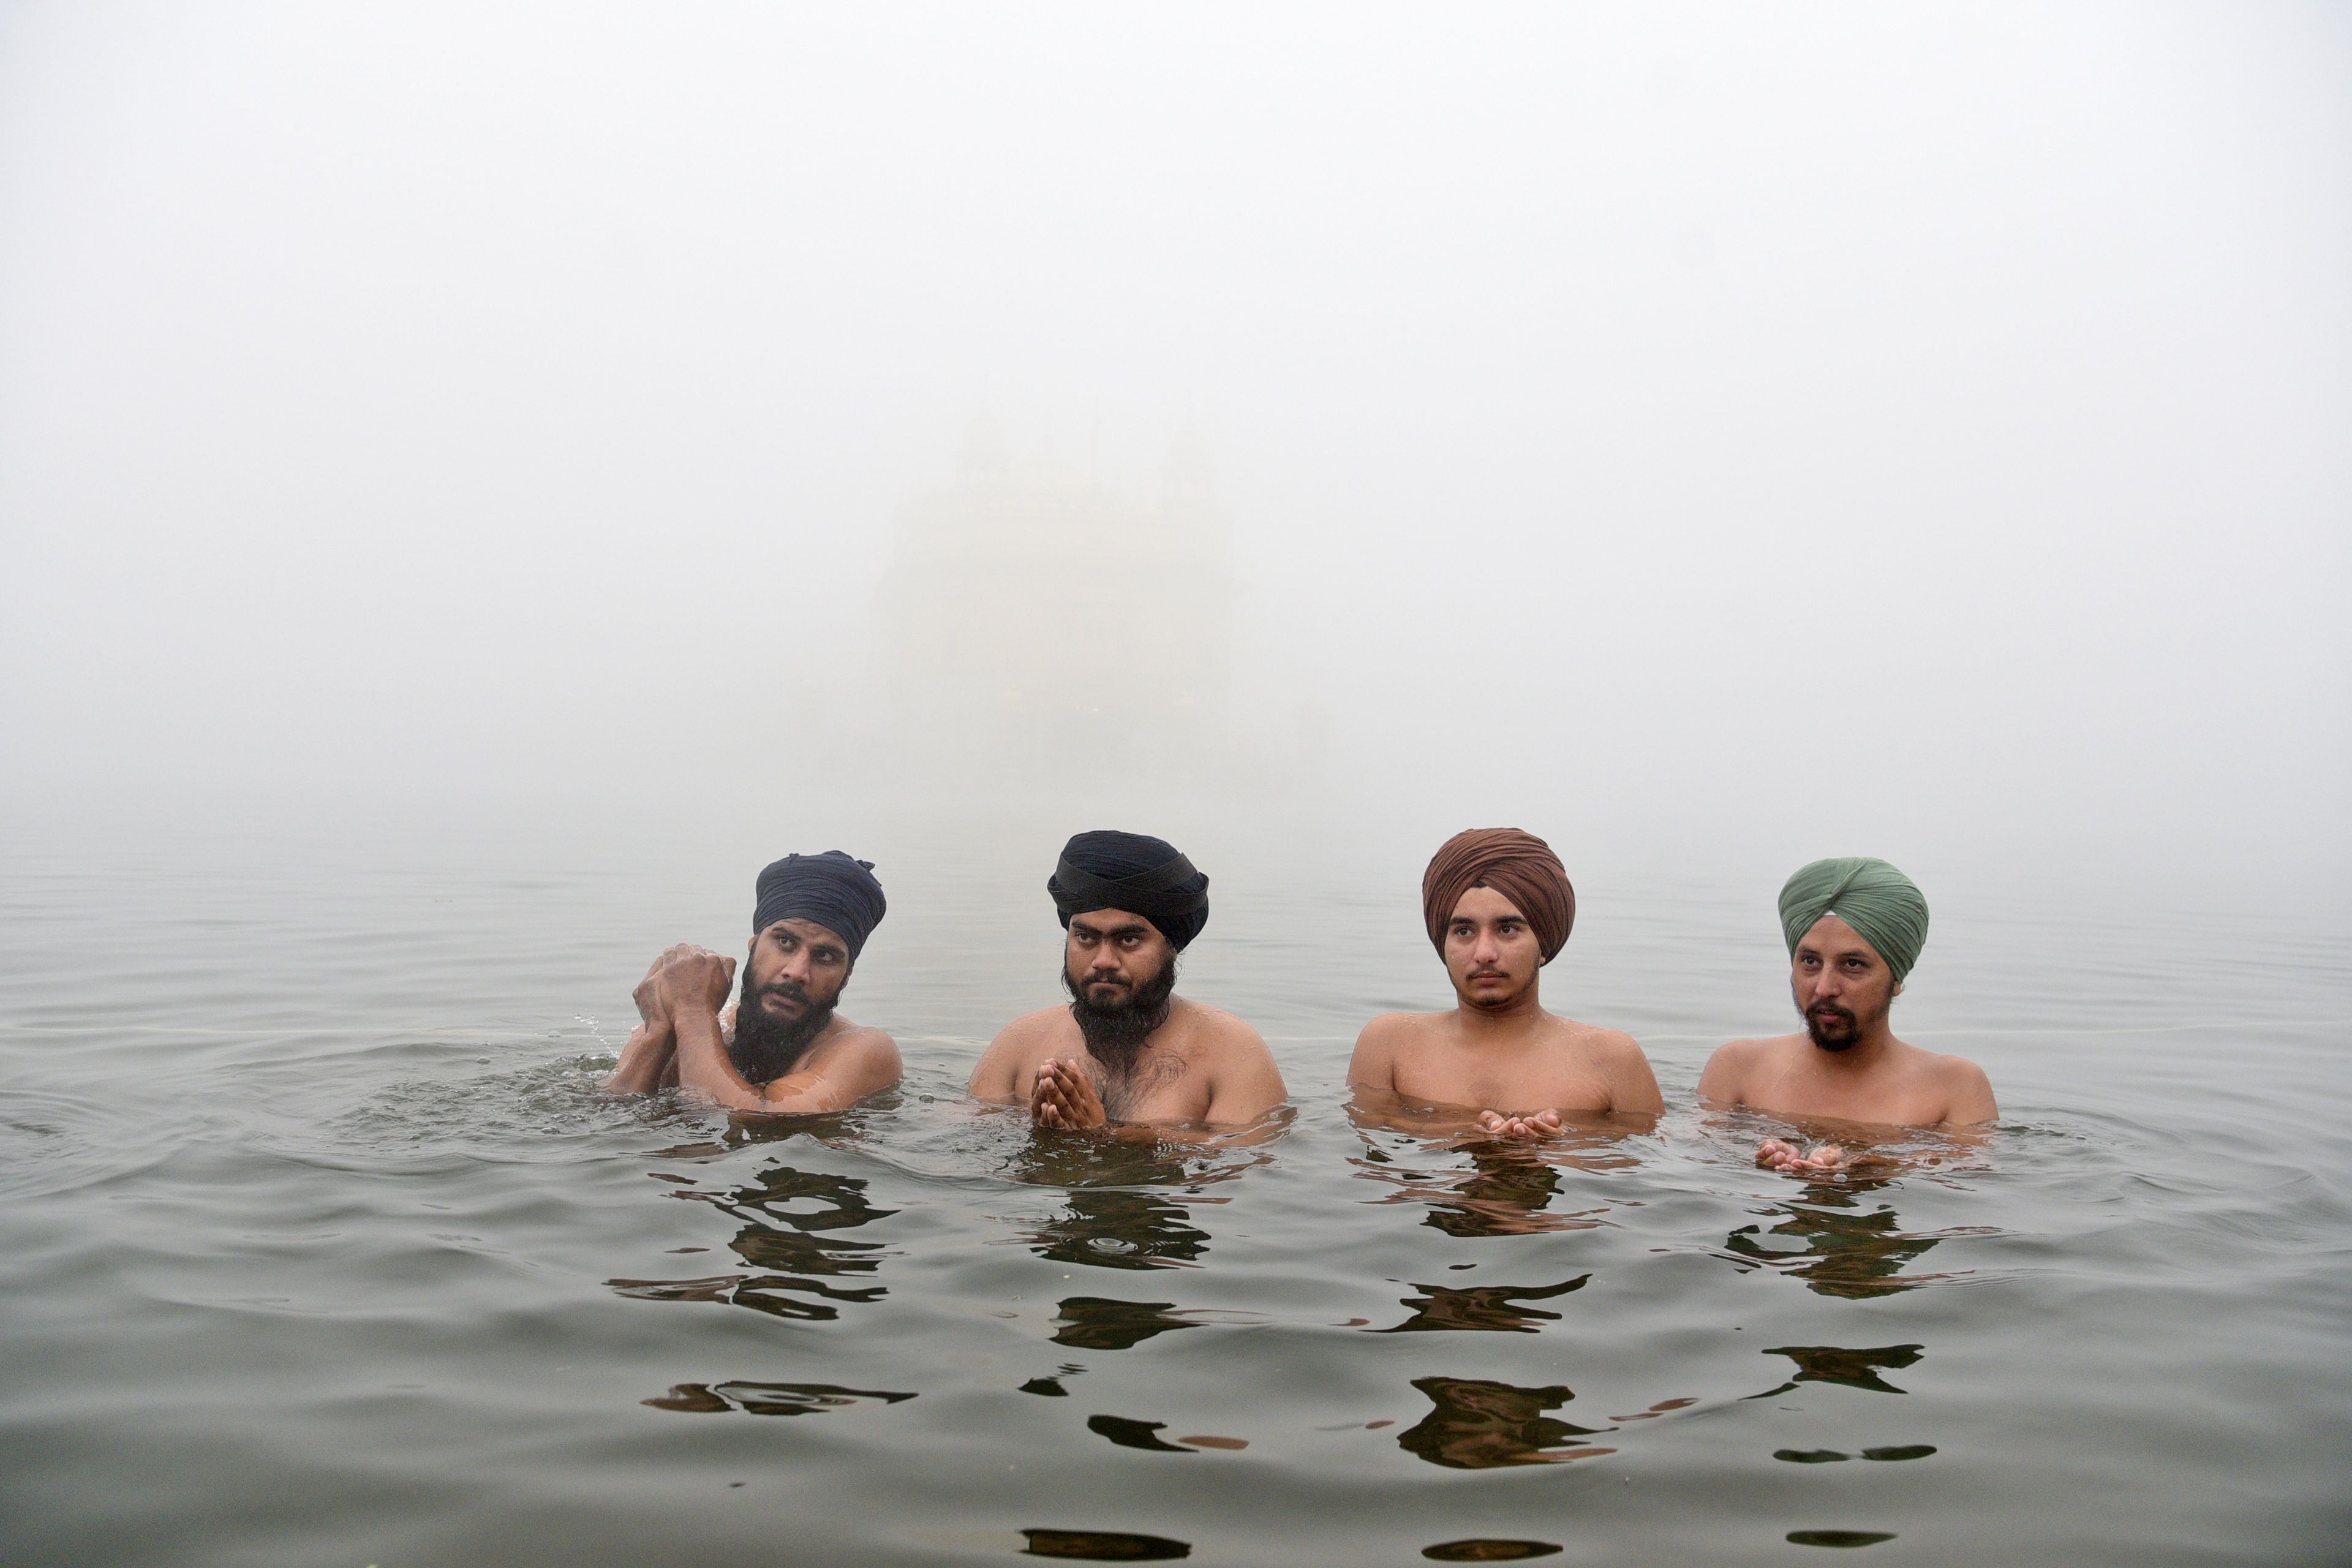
x,y
792,989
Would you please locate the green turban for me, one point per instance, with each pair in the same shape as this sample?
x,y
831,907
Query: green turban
x,y
1881,903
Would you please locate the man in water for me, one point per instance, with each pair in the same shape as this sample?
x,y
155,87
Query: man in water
x,y
1855,927
1499,906
782,1047
1128,1049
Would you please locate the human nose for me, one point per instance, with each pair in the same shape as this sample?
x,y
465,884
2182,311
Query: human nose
x,y
1485,948
1106,957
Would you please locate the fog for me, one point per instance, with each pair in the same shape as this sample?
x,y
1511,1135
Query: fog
x,y
1916,430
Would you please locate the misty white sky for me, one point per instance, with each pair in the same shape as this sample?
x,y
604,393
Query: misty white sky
x,y
1862,426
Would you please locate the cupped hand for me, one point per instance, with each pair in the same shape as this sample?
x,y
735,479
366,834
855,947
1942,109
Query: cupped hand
x,y
1538,1124
1064,1096
1775,1154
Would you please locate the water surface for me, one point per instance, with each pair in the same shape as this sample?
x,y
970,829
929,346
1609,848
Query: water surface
x,y
319,1248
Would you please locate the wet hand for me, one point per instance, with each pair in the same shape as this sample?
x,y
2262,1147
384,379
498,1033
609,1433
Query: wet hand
x,y
648,995
690,975
1539,1124
1065,1097
1790,1161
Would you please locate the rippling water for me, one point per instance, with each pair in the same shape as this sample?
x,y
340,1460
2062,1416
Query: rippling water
x,y
319,1248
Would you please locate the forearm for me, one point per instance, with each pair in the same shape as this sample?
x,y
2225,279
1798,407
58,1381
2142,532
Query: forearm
x,y
643,1061
703,1067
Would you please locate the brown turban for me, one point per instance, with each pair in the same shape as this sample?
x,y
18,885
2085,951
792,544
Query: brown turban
x,y
1519,866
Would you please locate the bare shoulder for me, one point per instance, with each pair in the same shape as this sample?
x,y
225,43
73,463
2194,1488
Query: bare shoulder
x,y
1377,1044
1967,1091
1611,1047
1727,1070
1223,1032
1015,1046
860,1059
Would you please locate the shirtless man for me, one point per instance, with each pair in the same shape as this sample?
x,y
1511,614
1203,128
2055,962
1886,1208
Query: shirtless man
x,y
1499,906
1855,928
1129,1051
782,1047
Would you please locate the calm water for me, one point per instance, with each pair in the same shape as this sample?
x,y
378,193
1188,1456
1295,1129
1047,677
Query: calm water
x,y
318,1247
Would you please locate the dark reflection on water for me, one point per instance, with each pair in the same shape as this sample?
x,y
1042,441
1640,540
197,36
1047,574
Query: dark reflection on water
x,y
1489,1549
1489,1308
1507,1190
789,1237
1100,1323
769,1398
1477,1424
1115,1218
1845,1251
1127,1434
1839,1537
1853,1368
1832,1455
1103,1546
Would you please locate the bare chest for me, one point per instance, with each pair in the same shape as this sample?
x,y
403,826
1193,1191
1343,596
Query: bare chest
x,y
1543,1074
1163,1083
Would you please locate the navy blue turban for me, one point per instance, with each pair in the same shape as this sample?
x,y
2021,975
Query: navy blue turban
x,y
832,890
1131,871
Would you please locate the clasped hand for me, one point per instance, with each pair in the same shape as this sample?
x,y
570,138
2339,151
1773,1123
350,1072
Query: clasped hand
x,y
1064,1096
684,974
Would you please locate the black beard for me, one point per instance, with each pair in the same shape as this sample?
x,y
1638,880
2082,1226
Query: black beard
x,y
1115,1035
764,1049
1852,1032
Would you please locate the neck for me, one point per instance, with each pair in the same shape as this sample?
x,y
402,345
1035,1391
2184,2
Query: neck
x,y
1862,1056
1509,1018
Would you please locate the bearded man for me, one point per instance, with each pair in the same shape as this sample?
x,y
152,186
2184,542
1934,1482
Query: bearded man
x,y
782,1047
1128,1051
1498,906
1855,927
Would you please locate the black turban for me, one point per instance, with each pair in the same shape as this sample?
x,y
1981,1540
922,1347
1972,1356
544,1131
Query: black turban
x,y
1145,875
835,891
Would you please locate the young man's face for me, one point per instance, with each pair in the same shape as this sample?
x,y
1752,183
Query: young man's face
x,y
1840,983
1491,952
1112,955
797,967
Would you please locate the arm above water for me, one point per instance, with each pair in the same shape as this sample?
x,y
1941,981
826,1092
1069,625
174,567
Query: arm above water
x,y
1972,1102
997,1075
1632,1087
649,1061
1247,1084
1724,1082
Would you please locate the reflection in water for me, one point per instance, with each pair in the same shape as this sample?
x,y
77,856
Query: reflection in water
x,y
1489,1549
1507,1191
1845,1251
1103,1546
1832,1455
1130,1434
1836,1363
1492,1308
769,1398
791,1217
1477,1424
1115,1218
1112,1227
1099,1323
1839,1537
